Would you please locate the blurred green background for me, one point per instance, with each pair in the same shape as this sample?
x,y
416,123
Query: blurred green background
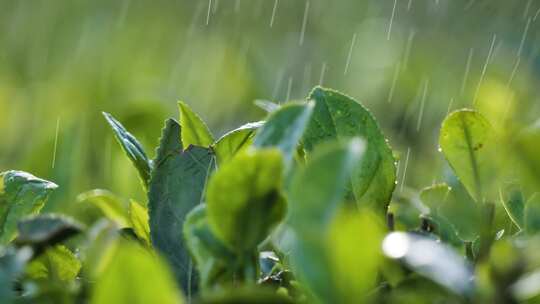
x,y
409,61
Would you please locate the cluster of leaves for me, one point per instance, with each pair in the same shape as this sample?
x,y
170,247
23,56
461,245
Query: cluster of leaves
x,y
299,208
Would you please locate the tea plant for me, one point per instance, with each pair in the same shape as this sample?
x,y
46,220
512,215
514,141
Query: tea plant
x,y
299,208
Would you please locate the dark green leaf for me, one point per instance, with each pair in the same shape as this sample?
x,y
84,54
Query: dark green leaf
x,y
132,148
46,230
532,215
194,130
12,264
177,186
284,129
465,141
244,198
21,194
232,142
337,116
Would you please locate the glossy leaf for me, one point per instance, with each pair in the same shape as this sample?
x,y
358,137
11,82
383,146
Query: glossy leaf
x,y
232,142
21,194
46,229
135,276
194,130
514,204
465,141
109,204
244,198
139,219
431,259
177,186
132,148
284,129
337,116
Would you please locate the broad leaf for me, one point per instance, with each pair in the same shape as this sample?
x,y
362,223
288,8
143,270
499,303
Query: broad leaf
x,y
138,216
177,185
21,194
109,204
133,149
431,259
514,204
337,116
246,295
244,199
465,141
194,130
46,230
232,142
436,198
317,194
284,129
135,276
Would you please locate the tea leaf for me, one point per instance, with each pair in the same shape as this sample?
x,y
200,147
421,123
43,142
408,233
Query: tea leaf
x,y
232,142
177,186
135,276
284,129
244,200
132,148
337,116
109,204
464,140
46,229
194,130
58,263
21,194
138,216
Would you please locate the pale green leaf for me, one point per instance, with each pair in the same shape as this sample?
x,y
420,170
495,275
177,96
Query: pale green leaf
x,y
57,263
135,276
194,130
244,198
232,142
465,141
109,204
138,216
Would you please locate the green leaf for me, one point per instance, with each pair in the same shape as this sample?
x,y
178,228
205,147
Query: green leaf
x,y
267,105
177,185
194,130
58,263
318,190
464,140
317,194
139,219
46,230
244,199
12,265
337,116
514,204
132,148
246,295
109,204
229,144
436,198
354,268
211,256
135,276
284,129
532,214
21,194
431,259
